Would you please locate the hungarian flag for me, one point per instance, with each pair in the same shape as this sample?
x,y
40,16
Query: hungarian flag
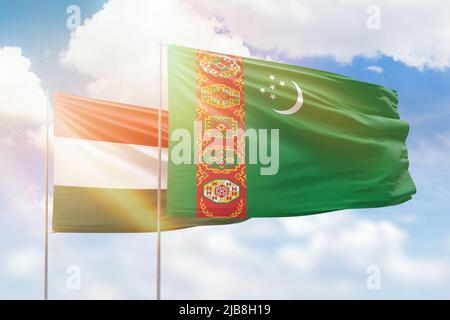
x,y
252,138
106,168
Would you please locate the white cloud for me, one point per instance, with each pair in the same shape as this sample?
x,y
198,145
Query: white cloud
x,y
47,53
21,95
7,140
376,69
433,151
23,102
38,136
326,259
30,201
338,28
118,48
360,242
431,271
322,256
27,210
22,263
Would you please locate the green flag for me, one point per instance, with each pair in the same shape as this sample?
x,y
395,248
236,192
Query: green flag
x,y
252,138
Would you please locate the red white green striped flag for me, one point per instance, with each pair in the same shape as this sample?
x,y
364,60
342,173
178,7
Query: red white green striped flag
x,y
253,138
106,168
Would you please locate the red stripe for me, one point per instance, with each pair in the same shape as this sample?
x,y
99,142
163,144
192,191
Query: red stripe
x,y
90,119
221,187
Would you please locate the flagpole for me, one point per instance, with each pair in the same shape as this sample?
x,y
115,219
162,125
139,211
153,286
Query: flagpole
x,y
158,217
46,199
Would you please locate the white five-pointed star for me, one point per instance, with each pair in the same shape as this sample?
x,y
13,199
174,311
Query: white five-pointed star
x,y
272,96
272,87
282,83
262,90
272,77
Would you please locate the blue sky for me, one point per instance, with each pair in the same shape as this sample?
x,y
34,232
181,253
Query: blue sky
x,y
95,62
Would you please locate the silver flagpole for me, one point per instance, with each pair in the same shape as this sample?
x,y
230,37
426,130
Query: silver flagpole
x,y
46,198
158,217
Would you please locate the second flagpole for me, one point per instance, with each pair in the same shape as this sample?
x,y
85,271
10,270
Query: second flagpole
x,y
47,138
158,217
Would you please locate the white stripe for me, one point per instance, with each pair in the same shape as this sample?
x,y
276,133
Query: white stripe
x,y
98,164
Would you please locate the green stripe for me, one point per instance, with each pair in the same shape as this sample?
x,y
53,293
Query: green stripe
x,y
84,210
345,148
182,114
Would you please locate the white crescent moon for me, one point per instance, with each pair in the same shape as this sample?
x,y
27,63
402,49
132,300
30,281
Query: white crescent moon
x,y
298,104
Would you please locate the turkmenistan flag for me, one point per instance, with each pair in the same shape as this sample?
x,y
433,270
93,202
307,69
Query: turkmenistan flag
x,y
106,168
314,141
